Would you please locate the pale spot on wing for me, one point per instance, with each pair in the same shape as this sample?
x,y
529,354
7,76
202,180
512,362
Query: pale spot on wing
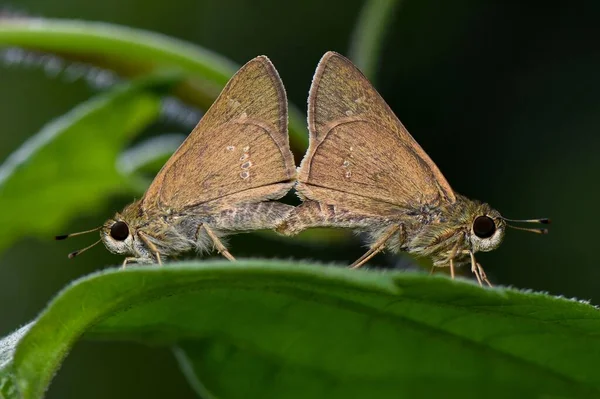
x,y
359,100
230,148
349,112
233,103
346,165
246,163
243,115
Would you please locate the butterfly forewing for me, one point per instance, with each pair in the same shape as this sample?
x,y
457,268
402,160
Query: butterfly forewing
x,y
240,144
358,147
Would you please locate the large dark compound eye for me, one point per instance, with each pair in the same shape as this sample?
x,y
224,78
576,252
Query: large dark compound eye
x,y
484,227
119,231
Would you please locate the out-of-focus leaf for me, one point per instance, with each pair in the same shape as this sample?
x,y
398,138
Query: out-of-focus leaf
x,y
275,330
135,52
369,34
145,159
69,167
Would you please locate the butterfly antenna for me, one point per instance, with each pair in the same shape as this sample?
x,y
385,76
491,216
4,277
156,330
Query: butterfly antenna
x,y
75,253
65,236
537,231
543,220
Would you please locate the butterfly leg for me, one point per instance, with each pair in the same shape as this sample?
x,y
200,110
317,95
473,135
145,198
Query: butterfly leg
x,y
377,247
478,271
474,268
150,245
451,258
482,274
218,244
451,269
128,260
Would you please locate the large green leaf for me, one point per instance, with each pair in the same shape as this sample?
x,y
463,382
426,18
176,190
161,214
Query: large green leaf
x,y
70,166
260,329
135,52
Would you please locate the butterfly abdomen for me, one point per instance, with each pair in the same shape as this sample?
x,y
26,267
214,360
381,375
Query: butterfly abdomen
x,y
254,216
316,214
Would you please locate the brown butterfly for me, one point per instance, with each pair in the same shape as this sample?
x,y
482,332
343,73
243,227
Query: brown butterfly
x,y
364,171
219,181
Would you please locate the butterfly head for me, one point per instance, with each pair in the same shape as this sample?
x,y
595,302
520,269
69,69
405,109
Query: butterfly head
x,y
117,236
468,226
485,229
485,226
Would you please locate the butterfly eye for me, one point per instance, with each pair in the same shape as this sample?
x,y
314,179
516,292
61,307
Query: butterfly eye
x,y
484,227
119,231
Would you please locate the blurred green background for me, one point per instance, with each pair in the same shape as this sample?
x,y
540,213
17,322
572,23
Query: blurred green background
x,y
503,97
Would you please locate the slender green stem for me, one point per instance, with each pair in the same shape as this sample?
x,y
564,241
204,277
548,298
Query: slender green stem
x,y
369,34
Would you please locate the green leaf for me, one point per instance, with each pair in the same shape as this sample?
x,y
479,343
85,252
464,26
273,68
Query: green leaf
x,y
369,34
8,388
142,161
135,52
260,329
149,155
69,166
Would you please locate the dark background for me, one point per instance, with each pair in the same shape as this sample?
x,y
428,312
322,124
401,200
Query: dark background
x,y
503,97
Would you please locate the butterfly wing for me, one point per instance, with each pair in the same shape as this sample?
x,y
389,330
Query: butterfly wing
x,y
239,150
360,156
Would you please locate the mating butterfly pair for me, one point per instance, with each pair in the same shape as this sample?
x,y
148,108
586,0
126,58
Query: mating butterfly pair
x,y
362,171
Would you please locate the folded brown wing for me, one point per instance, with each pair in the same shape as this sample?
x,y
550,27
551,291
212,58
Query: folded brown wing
x,y
358,147
240,144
